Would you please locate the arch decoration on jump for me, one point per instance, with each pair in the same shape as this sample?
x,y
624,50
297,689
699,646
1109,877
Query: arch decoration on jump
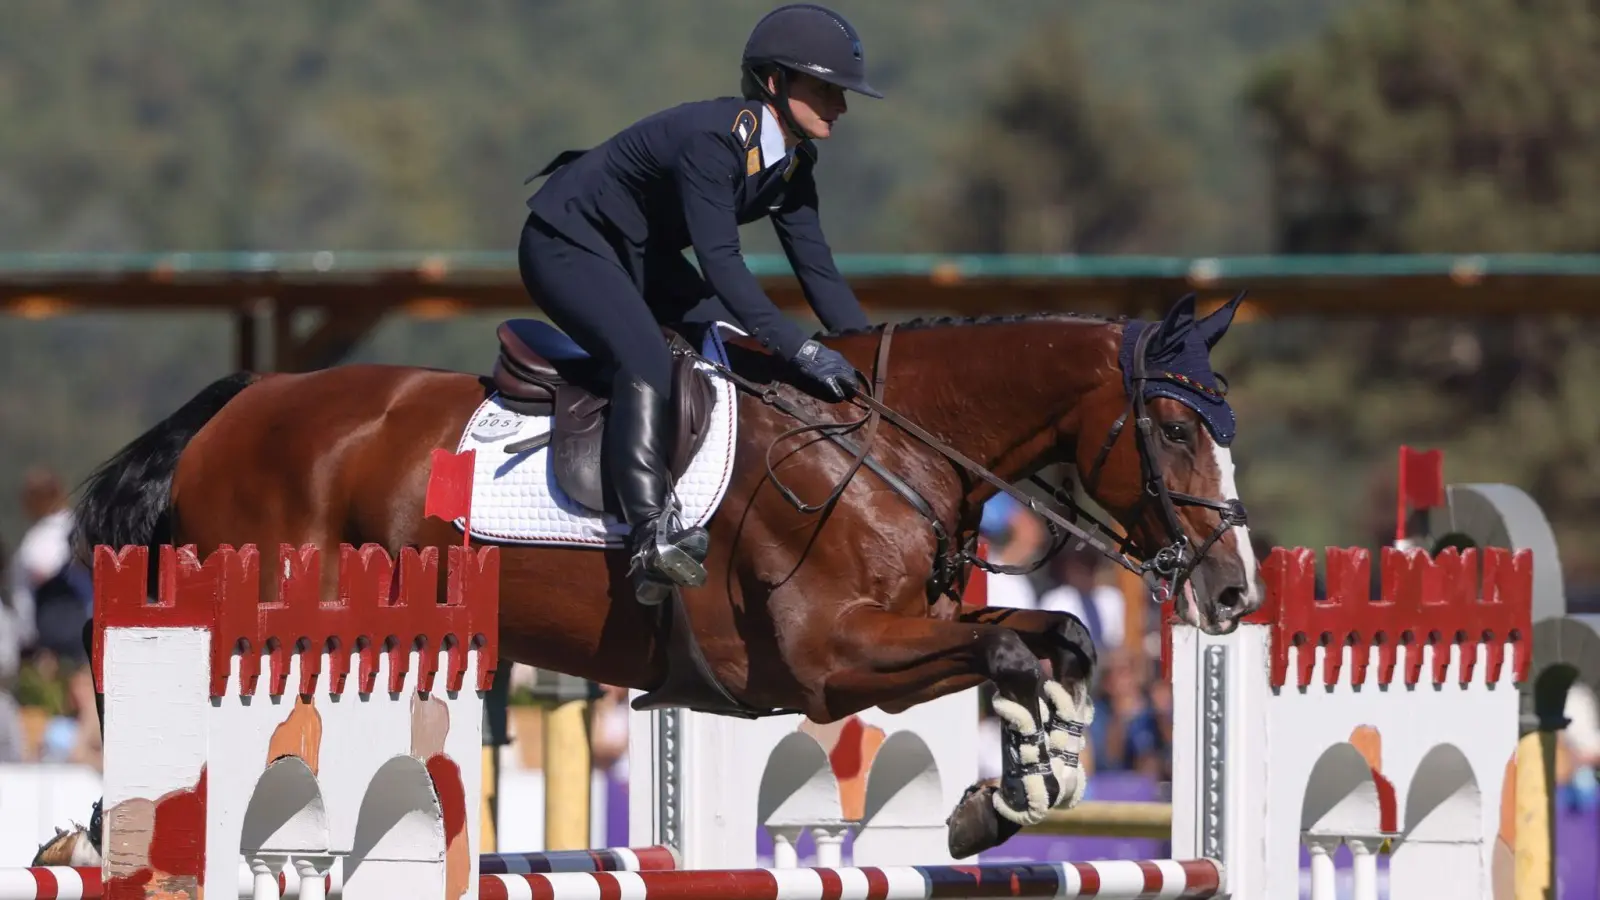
x,y
312,747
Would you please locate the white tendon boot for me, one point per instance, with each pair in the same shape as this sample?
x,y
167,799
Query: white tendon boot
x,y
1070,712
1030,783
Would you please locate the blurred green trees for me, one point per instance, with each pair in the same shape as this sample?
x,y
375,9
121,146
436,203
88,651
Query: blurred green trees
x,y
1090,126
1054,166
1434,126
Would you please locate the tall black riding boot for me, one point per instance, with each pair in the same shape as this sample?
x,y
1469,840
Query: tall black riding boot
x,y
662,552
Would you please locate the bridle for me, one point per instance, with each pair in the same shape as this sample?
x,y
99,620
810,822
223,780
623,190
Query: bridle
x,y
1165,571
1175,562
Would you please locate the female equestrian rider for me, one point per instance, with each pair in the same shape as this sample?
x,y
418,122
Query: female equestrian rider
x,y
602,253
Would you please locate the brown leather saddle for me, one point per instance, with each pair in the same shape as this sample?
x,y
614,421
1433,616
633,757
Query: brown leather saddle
x,y
541,371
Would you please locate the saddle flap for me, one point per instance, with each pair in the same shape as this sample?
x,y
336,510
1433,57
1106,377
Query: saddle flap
x,y
694,397
576,436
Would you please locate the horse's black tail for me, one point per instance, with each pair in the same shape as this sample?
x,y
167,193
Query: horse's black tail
x,y
126,500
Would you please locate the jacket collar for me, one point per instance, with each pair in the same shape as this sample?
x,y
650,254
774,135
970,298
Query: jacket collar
x,y
772,149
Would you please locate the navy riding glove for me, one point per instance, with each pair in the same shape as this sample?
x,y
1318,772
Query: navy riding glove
x,y
827,367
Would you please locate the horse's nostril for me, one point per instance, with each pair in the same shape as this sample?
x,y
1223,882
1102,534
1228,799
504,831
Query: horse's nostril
x,y
1230,598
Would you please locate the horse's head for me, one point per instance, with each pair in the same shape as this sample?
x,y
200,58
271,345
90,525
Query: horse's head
x,y
1153,451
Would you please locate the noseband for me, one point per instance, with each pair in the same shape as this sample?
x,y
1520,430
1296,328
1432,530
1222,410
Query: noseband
x,y
1165,571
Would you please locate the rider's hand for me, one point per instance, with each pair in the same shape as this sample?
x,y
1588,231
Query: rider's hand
x,y
827,367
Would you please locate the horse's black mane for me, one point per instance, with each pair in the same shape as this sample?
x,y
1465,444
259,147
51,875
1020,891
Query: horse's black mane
x,y
950,321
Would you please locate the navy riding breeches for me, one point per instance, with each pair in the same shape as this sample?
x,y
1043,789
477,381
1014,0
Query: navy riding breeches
x,y
599,303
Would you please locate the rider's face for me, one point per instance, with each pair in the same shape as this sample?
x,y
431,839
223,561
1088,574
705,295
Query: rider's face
x,y
815,104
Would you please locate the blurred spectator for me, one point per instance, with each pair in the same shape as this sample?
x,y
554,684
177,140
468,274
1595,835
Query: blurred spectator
x,y
1127,734
88,750
1578,750
12,741
51,592
608,731
1160,694
1015,536
14,631
11,638
1102,607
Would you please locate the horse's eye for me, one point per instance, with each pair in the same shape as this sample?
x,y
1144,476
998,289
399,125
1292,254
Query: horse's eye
x,y
1175,432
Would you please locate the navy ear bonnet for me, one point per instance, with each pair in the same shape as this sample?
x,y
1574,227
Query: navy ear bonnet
x,y
1178,362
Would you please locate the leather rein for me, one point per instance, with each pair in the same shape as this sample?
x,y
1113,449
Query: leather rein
x,y
1166,571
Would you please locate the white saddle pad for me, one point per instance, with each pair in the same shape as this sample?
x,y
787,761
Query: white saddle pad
x,y
515,497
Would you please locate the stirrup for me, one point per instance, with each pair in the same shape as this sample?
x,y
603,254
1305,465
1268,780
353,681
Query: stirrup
x,y
680,552
671,557
658,569
678,565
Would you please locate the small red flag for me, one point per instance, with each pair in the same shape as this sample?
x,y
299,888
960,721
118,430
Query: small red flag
x,y
450,487
1421,483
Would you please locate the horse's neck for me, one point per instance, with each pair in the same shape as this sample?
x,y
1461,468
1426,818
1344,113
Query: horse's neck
x,y
1004,394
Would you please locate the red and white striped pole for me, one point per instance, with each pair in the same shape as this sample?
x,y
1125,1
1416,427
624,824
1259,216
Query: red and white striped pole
x,y
1108,880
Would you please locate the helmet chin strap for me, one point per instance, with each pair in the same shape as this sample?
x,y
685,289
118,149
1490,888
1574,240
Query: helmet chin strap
x,y
780,102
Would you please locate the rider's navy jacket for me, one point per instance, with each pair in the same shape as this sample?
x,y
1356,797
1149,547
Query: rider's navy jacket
x,y
688,177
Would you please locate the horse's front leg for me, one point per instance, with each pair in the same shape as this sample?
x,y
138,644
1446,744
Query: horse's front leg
x,y
1057,638
877,658
1062,641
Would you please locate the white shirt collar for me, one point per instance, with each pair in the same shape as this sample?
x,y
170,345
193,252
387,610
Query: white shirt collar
x,y
772,149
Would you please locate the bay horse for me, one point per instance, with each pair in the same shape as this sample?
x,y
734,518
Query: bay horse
x,y
821,612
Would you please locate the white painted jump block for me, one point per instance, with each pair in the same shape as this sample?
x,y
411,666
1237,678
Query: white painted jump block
x,y
705,784
1358,721
348,731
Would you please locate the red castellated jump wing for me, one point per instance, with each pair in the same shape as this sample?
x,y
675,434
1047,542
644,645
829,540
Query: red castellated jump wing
x,y
1424,601
379,607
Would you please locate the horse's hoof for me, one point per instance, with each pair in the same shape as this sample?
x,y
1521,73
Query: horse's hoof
x,y
975,825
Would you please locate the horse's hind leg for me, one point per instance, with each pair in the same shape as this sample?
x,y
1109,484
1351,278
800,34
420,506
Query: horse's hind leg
x,y
878,658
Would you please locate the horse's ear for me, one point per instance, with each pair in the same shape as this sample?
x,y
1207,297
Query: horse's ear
x,y
1214,326
1177,323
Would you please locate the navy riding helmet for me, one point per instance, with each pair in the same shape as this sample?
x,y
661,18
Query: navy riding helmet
x,y
805,37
